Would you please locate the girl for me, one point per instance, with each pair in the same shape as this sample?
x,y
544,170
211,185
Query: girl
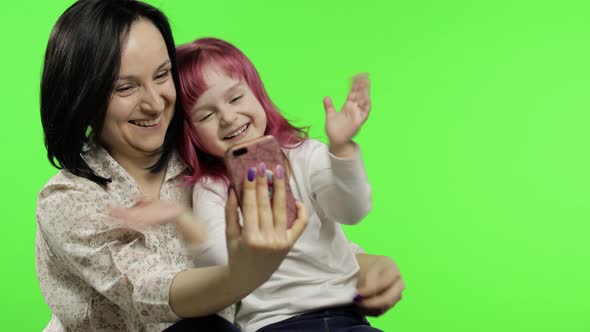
x,y
225,103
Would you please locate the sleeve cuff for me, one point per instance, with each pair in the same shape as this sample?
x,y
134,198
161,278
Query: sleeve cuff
x,y
356,249
153,302
348,167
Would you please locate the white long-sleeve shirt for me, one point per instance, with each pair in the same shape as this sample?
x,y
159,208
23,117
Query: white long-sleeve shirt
x,y
320,270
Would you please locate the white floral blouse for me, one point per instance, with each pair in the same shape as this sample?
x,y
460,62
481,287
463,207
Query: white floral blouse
x,y
95,275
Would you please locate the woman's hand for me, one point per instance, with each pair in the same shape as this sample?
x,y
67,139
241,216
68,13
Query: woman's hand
x,y
256,249
148,212
342,126
380,284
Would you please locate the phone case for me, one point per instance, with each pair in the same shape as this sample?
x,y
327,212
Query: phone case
x,y
265,149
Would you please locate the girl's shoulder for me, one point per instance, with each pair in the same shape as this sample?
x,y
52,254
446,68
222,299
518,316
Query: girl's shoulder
x,y
208,188
306,149
307,145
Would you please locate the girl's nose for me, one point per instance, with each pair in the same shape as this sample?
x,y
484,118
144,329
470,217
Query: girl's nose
x,y
227,117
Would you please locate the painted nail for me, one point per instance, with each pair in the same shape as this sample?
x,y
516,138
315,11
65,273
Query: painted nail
x,y
270,179
251,173
279,172
358,298
228,190
261,169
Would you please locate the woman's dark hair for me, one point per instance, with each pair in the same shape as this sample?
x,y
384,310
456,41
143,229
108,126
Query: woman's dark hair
x,y
81,65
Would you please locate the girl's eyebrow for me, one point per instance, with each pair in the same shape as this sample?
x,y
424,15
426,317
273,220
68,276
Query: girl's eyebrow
x,y
200,108
232,89
227,94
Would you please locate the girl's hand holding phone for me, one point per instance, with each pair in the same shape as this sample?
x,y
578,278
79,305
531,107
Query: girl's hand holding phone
x,y
257,248
342,126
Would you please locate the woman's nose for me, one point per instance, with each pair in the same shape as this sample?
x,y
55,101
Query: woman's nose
x,y
153,101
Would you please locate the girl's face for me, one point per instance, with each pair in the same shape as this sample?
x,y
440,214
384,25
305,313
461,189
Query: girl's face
x,y
142,103
227,113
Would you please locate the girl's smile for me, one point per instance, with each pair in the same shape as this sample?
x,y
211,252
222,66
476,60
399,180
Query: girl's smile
x,y
227,112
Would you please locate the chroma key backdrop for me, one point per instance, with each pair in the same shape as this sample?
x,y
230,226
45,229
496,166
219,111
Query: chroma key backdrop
x,y
477,146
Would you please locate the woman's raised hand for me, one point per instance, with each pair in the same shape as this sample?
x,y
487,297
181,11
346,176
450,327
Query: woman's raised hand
x,y
147,212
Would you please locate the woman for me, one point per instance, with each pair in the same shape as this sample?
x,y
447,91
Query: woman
x,y
111,121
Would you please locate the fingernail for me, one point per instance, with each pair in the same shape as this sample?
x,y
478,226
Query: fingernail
x,y
269,184
228,190
358,298
279,172
251,174
261,169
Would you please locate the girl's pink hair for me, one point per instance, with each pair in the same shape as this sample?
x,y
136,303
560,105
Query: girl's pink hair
x,y
192,58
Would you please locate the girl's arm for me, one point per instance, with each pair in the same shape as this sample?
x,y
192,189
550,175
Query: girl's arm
x,y
337,177
209,201
339,187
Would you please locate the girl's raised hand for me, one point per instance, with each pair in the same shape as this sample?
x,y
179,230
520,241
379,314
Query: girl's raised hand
x,y
342,126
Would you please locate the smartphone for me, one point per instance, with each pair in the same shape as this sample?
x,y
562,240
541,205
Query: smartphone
x,y
265,149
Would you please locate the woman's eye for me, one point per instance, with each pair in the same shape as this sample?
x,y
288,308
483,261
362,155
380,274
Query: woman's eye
x,y
163,74
124,88
235,99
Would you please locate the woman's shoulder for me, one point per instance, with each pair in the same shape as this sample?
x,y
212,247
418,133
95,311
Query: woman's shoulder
x,y
69,196
65,182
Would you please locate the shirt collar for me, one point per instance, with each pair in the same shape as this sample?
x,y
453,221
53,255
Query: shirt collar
x,y
104,165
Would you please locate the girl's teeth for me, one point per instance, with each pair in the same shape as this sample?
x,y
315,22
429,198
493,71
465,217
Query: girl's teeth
x,y
241,130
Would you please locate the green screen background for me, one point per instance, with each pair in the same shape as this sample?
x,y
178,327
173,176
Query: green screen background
x,y
476,147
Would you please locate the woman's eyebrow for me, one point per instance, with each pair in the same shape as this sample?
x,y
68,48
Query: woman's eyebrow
x,y
162,65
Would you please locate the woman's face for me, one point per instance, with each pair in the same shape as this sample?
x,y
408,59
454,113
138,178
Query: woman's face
x,y
143,99
227,113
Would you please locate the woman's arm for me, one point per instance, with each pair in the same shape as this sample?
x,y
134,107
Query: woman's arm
x,y
255,250
380,284
119,264
111,260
